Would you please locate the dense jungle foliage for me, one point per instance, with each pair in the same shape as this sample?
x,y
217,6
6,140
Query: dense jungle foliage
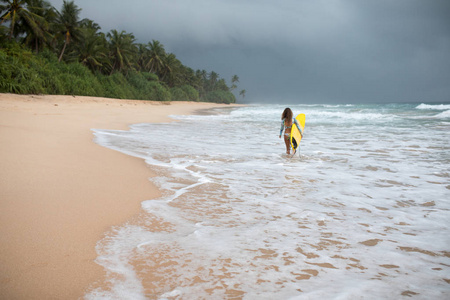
x,y
46,51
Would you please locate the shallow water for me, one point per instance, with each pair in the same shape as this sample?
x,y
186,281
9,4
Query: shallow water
x,y
362,212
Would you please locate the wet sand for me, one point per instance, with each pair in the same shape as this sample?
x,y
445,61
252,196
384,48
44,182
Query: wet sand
x,y
60,192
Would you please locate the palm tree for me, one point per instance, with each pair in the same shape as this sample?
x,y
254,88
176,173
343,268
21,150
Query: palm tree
x,y
155,63
41,35
16,12
212,80
242,93
122,50
221,85
201,78
171,71
201,75
234,79
187,75
68,21
143,55
91,49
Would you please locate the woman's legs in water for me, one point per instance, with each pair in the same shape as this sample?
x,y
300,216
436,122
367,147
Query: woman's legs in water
x,y
288,145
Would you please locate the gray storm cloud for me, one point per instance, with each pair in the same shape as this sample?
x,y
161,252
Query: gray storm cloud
x,y
300,51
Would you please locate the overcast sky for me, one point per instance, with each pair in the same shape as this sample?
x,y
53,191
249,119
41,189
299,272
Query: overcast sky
x,y
299,51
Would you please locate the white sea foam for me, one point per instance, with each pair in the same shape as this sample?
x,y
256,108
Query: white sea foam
x,y
443,115
363,212
434,106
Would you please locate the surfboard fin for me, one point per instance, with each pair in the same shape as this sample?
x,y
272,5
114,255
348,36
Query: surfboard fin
x,y
294,142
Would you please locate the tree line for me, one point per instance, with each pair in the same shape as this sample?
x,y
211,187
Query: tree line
x,y
43,50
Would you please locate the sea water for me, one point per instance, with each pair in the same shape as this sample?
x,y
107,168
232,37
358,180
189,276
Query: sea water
x,y
362,211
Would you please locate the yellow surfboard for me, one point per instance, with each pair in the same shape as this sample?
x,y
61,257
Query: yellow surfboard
x,y
296,137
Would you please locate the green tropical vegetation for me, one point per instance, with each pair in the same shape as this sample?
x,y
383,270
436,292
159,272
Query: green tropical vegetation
x,y
46,51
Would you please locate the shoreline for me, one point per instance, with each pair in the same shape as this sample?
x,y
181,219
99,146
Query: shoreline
x,y
60,191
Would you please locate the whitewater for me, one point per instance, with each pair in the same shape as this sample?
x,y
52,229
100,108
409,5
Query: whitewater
x,y
361,212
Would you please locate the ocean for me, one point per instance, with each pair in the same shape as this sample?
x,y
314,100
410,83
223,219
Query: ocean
x,y
362,211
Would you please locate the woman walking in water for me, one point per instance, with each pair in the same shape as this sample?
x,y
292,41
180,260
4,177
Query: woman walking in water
x,y
287,119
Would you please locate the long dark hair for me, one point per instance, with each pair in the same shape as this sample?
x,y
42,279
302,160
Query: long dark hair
x,y
287,116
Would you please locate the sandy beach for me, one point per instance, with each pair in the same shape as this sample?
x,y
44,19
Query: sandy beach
x,y
55,184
